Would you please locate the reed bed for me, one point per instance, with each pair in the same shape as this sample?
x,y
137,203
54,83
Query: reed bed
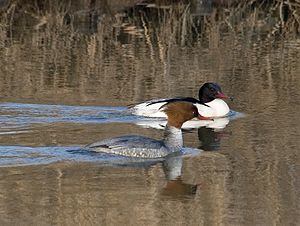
x,y
70,44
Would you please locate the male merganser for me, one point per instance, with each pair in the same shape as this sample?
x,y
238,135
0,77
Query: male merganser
x,y
177,112
210,103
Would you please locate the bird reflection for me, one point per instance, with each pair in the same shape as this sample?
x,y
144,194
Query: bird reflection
x,y
210,139
175,187
172,167
158,123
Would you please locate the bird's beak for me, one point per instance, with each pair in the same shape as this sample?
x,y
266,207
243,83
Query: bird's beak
x,y
223,96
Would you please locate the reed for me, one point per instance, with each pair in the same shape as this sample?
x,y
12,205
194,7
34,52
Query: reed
x,y
70,44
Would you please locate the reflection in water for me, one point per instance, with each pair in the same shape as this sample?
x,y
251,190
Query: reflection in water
x,y
89,193
175,186
157,123
18,114
26,156
210,140
115,53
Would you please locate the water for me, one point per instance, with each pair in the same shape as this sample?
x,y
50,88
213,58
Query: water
x,y
68,73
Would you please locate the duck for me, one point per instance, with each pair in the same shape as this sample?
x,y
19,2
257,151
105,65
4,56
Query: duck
x,y
178,112
210,103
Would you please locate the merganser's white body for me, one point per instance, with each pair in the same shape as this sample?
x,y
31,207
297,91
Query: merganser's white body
x,y
213,109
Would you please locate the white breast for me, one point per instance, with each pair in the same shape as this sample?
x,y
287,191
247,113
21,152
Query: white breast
x,y
217,108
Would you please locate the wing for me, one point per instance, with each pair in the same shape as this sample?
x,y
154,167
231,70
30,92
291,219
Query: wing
x,y
152,108
169,100
133,146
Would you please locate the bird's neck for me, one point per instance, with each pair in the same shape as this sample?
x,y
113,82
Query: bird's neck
x,y
173,138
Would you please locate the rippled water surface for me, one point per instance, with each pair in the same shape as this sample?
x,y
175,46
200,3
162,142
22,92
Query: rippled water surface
x,y
68,73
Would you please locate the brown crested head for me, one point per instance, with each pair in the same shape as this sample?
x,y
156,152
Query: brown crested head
x,y
179,112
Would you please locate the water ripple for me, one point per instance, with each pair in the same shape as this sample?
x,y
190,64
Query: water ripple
x,y
22,156
19,114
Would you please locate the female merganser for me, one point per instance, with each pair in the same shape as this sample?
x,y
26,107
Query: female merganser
x,y
210,103
177,112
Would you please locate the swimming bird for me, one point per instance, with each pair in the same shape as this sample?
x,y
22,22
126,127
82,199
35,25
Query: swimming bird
x,y
177,112
210,103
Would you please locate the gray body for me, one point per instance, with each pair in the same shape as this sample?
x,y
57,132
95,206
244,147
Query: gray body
x,y
140,146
